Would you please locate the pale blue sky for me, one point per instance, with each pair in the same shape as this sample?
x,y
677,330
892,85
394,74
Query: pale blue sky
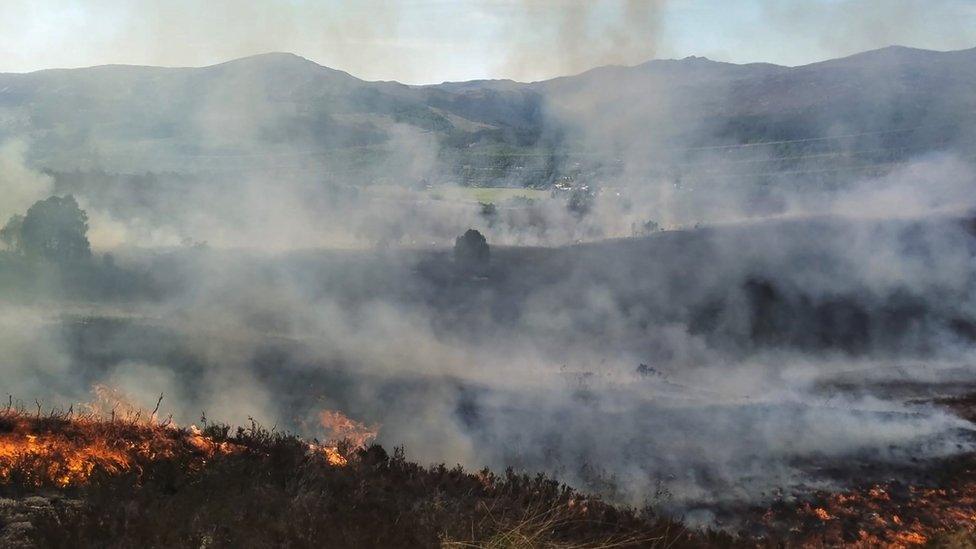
x,y
421,41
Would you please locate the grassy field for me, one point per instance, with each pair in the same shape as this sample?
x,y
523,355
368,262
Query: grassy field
x,y
495,195
486,195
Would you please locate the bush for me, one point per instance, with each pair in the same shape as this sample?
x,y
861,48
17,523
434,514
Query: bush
x,y
471,253
274,490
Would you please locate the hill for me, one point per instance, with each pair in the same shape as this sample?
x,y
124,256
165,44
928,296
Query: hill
x,y
280,110
90,481
86,481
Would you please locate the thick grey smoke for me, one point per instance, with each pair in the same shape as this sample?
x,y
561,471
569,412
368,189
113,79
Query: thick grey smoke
x,y
783,323
538,366
21,184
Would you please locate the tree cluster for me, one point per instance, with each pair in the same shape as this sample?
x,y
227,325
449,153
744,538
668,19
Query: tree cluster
x,y
54,229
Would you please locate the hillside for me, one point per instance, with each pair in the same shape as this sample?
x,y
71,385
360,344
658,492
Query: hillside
x,y
130,480
279,110
69,481
249,110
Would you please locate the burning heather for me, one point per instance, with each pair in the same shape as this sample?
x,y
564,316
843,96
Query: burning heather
x,y
350,433
74,464
64,451
112,436
154,483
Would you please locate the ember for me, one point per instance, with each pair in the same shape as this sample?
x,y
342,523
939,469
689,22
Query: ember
x,y
890,514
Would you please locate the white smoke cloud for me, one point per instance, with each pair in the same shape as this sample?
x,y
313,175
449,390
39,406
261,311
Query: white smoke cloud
x,y
21,185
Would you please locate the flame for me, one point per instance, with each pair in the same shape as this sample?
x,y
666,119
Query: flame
x,y
335,458
110,434
113,435
51,458
344,435
338,426
65,452
822,514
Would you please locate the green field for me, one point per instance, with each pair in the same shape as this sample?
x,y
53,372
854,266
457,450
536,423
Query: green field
x,y
486,195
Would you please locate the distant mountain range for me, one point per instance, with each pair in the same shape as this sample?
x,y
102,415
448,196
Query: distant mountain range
x,y
285,113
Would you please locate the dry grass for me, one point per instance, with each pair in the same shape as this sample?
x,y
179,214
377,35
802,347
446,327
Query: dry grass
x,y
276,490
538,526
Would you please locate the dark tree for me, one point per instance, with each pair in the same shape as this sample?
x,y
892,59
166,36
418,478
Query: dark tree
x,y
471,252
489,212
581,201
55,229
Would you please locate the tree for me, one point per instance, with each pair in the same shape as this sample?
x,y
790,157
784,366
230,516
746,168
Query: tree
x,y
10,233
489,212
55,229
471,253
581,201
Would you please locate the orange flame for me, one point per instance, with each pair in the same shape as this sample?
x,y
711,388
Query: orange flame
x,y
344,435
111,434
47,458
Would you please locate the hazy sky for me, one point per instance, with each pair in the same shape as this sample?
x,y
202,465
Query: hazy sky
x,y
420,41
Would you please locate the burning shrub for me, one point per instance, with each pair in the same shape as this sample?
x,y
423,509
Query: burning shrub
x,y
142,483
115,475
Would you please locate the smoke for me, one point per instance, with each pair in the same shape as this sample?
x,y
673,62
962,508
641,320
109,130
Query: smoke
x,y
158,32
33,359
560,37
850,26
21,185
267,269
538,366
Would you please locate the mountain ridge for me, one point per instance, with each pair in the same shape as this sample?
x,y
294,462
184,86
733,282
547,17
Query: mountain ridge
x,y
294,57
132,118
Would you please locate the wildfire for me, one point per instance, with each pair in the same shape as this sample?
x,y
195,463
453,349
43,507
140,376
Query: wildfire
x,y
112,435
49,458
344,434
65,451
886,515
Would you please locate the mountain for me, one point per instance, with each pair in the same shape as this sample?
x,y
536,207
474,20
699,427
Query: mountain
x,y
280,110
883,90
266,104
